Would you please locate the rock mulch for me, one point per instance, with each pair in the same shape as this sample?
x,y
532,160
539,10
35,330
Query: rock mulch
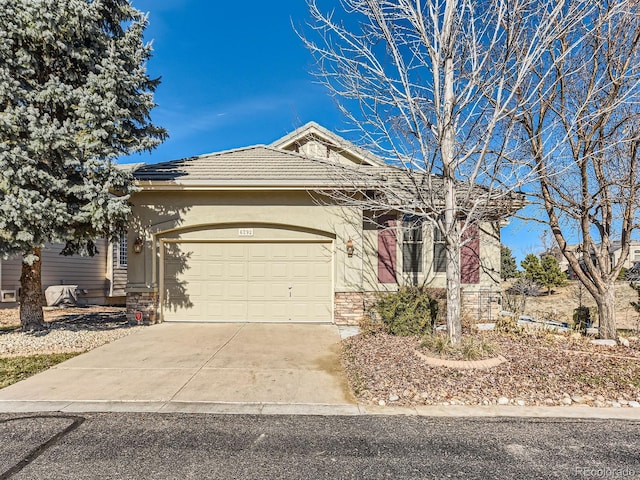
x,y
541,369
75,329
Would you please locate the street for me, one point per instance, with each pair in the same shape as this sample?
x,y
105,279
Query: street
x,y
197,446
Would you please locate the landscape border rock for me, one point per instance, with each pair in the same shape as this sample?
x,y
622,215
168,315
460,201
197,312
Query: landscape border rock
x,y
464,364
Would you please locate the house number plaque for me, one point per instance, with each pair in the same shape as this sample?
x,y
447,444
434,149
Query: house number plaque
x,y
245,232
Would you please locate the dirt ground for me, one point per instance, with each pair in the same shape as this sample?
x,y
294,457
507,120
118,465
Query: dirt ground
x,y
563,300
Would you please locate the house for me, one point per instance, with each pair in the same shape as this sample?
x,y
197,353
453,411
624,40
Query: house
x,y
255,234
615,254
101,279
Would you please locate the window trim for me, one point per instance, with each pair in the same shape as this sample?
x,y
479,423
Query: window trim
x,y
412,244
122,252
439,251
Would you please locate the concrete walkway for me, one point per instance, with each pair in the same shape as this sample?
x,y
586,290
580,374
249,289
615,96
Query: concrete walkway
x,y
190,363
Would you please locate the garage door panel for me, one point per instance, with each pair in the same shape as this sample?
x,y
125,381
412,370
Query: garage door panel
x,y
248,282
257,291
257,271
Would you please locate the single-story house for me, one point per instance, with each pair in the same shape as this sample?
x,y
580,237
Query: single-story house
x,y
101,279
255,234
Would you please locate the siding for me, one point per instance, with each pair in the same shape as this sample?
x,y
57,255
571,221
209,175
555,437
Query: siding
x,y
117,272
89,273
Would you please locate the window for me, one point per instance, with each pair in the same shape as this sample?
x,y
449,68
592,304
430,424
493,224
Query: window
x,y
439,251
636,256
122,252
412,245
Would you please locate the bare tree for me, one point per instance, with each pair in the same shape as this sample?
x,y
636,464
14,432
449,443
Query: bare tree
x,y
431,86
580,121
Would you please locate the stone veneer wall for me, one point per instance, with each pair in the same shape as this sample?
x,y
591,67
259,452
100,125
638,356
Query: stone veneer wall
x,y
478,306
144,302
350,307
482,305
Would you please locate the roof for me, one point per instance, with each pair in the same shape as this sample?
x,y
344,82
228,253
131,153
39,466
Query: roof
x,y
276,167
312,129
254,166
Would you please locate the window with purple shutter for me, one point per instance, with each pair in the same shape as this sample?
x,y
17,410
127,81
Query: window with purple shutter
x,y
387,245
470,256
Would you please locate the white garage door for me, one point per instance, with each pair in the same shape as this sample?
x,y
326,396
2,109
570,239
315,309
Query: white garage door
x,y
258,282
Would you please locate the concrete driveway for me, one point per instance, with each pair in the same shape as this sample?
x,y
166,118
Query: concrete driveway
x,y
190,363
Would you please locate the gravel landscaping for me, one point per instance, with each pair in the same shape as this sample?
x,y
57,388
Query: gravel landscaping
x,y
542,368
76,329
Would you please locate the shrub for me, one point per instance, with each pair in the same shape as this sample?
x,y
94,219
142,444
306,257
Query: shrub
x,y
409,311
508,325
581,319
476,348
437,344
470,348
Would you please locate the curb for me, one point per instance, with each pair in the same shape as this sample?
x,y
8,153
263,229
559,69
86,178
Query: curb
x,y
220,408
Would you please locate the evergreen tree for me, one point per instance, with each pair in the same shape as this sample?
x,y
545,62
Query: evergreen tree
x,y
75,95
551,275
508,267
532,268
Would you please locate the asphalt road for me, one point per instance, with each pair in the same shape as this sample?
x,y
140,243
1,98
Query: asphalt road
x,y
184,446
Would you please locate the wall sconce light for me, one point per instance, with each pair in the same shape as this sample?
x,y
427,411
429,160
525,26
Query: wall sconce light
x,y
350,248
137,245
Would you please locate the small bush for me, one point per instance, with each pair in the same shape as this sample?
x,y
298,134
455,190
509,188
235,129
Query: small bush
x,y
581,319
508,325
476,348
409,311
437,344
470,348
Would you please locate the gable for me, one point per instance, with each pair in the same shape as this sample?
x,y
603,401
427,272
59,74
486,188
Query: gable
x,y
312,140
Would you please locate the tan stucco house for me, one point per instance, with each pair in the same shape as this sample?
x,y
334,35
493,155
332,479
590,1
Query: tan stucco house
x,y
255,234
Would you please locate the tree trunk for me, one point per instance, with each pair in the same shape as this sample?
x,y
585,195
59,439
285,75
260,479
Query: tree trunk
x,y
606,303
31,297
447,150
454,324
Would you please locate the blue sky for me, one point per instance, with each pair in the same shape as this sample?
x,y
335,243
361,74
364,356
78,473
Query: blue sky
x,y
236,74
233,74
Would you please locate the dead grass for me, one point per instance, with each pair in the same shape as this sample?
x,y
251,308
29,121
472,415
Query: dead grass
x,y
561,304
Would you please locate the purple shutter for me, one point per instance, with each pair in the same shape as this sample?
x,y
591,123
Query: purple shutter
x,y
470,256
387,244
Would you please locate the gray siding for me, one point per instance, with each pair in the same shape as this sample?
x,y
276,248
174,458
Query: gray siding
x,y
89,273
119,274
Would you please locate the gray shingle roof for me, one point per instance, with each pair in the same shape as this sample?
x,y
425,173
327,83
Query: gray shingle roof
x,y
249,166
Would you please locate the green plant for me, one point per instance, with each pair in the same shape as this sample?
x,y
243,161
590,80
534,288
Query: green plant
x,y
409,311
473,348
581,319
470,348
622,276
14,369
508,267
437,344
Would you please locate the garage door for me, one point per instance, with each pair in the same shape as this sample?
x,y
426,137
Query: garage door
x,y
259,282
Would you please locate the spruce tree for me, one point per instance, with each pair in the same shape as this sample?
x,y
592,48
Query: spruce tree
x,y
532,268
75,95
508,267
551,275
